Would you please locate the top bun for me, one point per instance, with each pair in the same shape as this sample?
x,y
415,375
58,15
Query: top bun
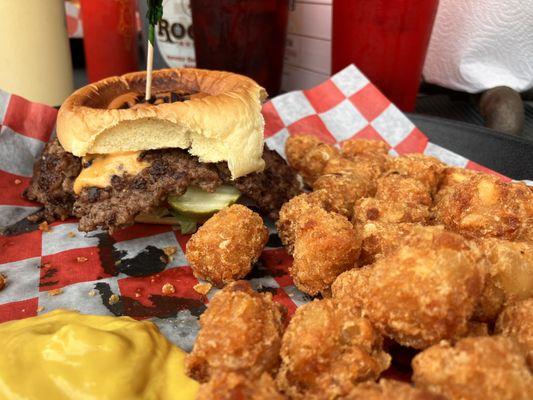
x,y
219,121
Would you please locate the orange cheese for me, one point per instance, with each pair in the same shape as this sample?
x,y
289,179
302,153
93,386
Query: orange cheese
x,y
104,166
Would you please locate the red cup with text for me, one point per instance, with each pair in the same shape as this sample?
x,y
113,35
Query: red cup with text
x,y
242,36
387,40
110,37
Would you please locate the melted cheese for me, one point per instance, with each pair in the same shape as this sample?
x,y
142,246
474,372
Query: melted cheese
x,y
67,355
103,167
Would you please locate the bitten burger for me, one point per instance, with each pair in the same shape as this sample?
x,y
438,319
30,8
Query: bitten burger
x,y
194,148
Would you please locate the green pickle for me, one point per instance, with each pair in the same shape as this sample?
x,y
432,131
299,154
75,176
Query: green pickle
x,y
193,207
199,205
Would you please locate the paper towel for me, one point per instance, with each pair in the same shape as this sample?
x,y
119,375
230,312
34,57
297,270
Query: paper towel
x,y
479,44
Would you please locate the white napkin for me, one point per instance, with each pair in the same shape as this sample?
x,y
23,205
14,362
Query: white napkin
x,y
479,44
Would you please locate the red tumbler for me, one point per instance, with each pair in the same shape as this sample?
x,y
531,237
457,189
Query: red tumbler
x,y
242,36
387,40
109,37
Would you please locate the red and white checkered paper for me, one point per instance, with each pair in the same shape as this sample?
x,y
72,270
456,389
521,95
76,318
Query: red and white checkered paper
x,y
36,262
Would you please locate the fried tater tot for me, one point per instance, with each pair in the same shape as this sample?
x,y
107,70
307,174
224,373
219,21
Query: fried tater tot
x,y
366,168
351,288
344,190
309,155
326,244
370,156
388,389
326,351
482,205
452,176
227,245
398,199
354,148
516,322
292,211
425,290
232,386
239,332
476,368
510,276
425,169
380,238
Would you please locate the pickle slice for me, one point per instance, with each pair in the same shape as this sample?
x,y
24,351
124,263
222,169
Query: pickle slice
x,y
200,205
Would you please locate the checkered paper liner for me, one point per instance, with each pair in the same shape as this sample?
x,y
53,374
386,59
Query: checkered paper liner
x,y
64,268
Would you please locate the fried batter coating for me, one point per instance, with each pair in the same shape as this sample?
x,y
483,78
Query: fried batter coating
x,y
309,155
367,168
510,276
516,321
232,386
351,288
344,190
292,211
370,156
398,199
481,205
425,290
326,351
388,389
425,169
239,332
477,368
227,245
452,176
381,238
326,244
354,148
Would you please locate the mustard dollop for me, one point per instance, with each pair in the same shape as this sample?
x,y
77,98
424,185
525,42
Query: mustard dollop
x,y
67,355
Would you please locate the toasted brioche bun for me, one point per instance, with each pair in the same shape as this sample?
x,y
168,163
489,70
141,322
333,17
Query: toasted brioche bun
x,y
223,124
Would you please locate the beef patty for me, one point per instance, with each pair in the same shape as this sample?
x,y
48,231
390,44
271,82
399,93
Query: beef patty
x,y
170,172
53,176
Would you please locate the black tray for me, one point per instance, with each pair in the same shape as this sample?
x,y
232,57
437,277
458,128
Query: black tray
x,y
509,155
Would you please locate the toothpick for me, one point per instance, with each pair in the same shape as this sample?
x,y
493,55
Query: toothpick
x,y
149,69
154,15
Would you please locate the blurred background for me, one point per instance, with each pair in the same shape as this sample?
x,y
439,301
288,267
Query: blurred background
x,y
462,60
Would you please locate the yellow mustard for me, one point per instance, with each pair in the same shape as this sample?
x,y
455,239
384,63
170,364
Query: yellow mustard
x,y
67,355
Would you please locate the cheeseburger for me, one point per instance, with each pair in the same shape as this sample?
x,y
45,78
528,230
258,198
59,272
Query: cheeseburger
x,y
194,148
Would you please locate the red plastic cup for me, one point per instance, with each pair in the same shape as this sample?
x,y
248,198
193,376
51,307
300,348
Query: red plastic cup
x,y
387,40
109,37
242,36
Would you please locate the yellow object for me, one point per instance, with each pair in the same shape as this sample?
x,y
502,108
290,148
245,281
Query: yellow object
x,y
34,50
103,167
67,355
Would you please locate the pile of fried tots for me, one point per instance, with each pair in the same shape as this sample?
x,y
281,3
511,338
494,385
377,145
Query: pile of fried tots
x,y
411,263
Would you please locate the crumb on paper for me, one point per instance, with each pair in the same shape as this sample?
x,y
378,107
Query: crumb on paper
x,y
113,299
168,288
3,281
43,226
81,259
170,250
55,292
92,293
18,181
202,288
71,234
40,308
